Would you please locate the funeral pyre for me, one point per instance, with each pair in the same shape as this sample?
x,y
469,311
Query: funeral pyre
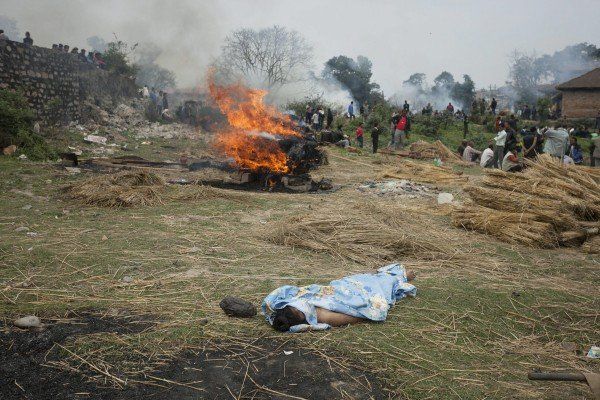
x,y
259,141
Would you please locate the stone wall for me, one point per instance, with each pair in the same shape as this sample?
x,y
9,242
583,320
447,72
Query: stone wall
x,y
58,86
580,103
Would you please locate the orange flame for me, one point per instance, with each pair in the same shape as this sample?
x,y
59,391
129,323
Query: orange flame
x,y
250,141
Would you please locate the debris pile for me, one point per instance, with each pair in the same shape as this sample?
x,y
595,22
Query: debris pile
x,y
123,189
404,188
426,173
549,205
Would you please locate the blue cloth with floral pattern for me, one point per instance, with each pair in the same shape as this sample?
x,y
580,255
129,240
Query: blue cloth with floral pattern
x,y
368,296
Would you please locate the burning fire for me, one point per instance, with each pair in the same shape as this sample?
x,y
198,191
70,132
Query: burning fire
x,y
254,129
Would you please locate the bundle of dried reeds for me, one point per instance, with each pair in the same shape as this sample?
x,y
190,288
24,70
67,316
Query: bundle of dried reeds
x,y
436,149
354,237
426,173
123,189
519,228
550,204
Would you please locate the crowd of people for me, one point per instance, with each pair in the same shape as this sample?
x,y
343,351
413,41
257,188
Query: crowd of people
x,y
91,57
509,144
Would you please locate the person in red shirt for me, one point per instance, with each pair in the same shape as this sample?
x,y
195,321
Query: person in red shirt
x,y
359,135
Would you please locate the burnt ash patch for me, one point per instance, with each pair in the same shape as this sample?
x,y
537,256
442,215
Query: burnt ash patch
x,y
257,370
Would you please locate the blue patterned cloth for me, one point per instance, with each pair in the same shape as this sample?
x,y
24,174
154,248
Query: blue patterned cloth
x,y
367,296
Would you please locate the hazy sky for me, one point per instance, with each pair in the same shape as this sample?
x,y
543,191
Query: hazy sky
x,y
400,37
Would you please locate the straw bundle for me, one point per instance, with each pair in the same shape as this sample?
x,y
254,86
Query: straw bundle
x,y
426,173
507,226
203,192
123,189
549,205
357,238
436,149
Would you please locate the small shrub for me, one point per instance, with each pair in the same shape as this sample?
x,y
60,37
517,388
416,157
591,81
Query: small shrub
x,y
16,120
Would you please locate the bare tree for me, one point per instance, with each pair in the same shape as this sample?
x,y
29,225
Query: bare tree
x,y
269,57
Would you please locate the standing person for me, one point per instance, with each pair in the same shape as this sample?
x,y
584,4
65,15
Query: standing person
x,y
321,117
500,141
359,135
465,125
493,106
534,113
315,120
27,39
487,157
361,110
530,143
512,122
406,106
556,141
153,99
351,110
375,136
482,106
165,101
3,35
402,127
575,151
329,118
595,151
393,122
450,108
83,58
66,48
308,115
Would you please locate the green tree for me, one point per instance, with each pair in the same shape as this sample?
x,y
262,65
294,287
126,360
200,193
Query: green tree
x,y
117,58
464,92
355,75
417,80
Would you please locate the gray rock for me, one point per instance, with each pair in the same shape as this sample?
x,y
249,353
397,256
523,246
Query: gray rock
x,y
27,207
21,229
30,321
127,279
236,307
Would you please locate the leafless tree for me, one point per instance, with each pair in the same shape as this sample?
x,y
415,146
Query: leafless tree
x,y
269,57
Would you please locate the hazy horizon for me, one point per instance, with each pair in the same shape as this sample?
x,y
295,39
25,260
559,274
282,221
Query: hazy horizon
x,y
400,37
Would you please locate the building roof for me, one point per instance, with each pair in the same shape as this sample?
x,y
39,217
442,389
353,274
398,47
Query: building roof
x,y
589,80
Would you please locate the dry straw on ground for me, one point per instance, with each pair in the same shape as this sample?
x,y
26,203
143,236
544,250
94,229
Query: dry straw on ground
x,y
123,189
548,205
426,173
142,188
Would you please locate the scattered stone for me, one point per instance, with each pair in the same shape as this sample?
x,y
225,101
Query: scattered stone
x,y
95,139
27,207
73,170
203,321
236,307
127,279
37,128
10,150
32,234
570,347
30,321
515,293
21,229
104,237
22,157
445,198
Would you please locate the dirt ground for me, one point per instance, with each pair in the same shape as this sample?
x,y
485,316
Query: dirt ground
x,y
486,312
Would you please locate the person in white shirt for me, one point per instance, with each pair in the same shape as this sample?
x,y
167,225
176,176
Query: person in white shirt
x,y
487,157
500,140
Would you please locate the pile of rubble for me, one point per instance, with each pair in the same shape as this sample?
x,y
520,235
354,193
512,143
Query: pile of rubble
x,y
131,118
403,188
